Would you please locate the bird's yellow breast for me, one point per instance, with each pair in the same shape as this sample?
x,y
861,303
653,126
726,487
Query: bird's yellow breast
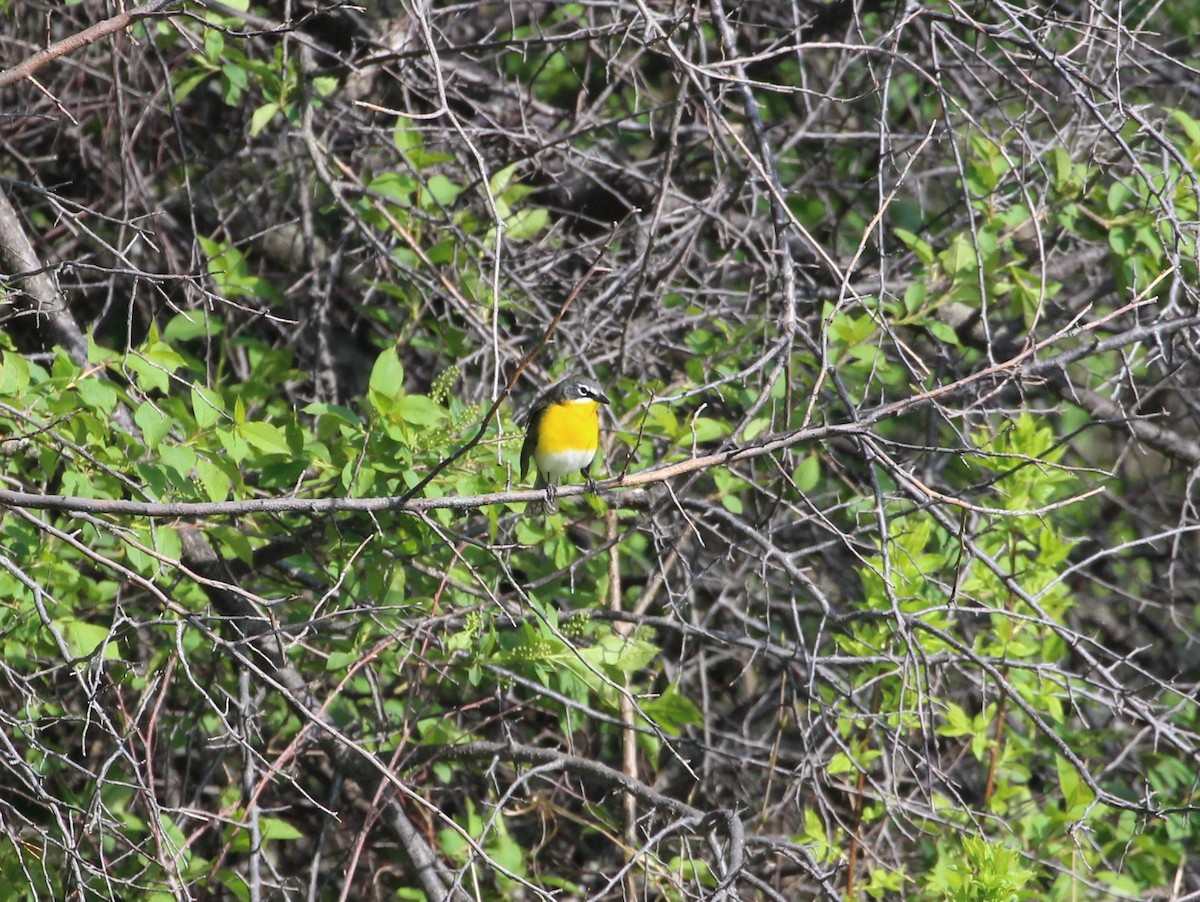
x,y
569,426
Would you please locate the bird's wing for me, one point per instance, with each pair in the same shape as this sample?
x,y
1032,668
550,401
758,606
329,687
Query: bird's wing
x,y
531,427
527,448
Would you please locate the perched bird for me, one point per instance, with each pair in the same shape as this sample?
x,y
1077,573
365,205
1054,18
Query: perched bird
x,y
562,432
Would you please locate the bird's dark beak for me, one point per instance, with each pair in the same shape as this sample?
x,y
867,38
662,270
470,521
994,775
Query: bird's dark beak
x,y
602,398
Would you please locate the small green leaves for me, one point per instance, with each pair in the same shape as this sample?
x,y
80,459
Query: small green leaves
x,y
403,413
270,829
1069,177
153,364
978,870
230,273
521,223
959,724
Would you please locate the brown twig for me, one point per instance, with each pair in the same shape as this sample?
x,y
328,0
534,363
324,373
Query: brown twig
x,y
81,39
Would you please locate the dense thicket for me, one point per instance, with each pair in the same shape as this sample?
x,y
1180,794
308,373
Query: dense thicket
x,y
889,589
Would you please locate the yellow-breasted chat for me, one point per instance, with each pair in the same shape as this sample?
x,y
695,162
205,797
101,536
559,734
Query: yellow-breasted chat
x,y
562,432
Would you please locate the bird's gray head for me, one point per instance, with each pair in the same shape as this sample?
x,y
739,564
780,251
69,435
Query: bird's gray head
x,y
578,390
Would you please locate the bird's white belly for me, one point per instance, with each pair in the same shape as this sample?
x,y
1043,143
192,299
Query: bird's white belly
x,y
562,463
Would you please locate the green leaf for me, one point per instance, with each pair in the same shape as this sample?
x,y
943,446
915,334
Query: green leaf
x,y
192,324
154,363
1062,166
672,711
943,332
419,410
840,763
214,45
153,422
702,429
661,420
441,190
189,80
213,479
1121,240
387,375
237,449
917,245
915,296
527,223
230,273
274,828
98,394
264,436
163,355
14,374
693,870
404,136
237,79
262,117
98,353
179,458
755,428
325,85
501,180
1077,795
957,722
394,185
959,259
807,473
810,211
235,541
207,407
1119,194
1190,126
341,660
626,653
84,638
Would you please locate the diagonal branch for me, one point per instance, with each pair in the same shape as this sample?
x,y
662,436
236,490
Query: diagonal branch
x,y
70,44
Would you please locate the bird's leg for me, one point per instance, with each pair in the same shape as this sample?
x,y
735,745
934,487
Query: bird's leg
x,y
586,472
551,493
